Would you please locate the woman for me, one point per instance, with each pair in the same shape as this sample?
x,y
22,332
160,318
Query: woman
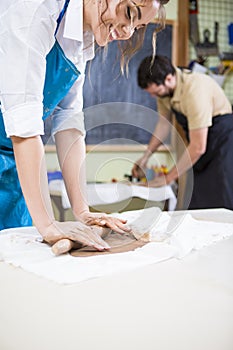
x,y
44,46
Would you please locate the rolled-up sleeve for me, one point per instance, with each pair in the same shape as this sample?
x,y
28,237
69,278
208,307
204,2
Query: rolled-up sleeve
x,y
68,119
69,114
24,120
26,36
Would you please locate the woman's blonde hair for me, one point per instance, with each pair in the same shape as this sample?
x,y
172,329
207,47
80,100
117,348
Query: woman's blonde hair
x,y
129,47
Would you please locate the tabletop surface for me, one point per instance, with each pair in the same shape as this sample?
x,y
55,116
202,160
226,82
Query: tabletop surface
x,y
182,304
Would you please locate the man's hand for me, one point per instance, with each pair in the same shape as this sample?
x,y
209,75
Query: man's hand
x,y
73,234
158,181
139,167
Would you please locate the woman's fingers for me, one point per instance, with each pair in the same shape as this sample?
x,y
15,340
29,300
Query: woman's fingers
x,y
76,232
63,236
117,226
65,245
102,231
88,237
101,219
114,224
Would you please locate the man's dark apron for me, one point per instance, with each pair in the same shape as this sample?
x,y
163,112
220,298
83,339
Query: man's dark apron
x,y
213,172
60,76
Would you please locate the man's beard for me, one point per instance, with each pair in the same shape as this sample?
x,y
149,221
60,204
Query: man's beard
x,y
170,94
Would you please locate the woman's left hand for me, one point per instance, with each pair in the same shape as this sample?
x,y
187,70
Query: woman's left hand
x,y
103,220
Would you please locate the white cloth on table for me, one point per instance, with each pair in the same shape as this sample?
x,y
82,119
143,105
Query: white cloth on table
x,y
108,193
171,237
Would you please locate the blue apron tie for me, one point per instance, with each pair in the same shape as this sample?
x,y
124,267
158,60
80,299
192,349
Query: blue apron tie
x,y
61,15
61,74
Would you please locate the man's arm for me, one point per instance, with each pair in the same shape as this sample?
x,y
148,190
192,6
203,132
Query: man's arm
x,y
160,134
195,149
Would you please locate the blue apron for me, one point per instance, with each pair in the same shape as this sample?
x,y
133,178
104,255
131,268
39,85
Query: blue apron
x,y
60,76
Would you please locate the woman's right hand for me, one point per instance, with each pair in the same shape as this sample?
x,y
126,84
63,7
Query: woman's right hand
x,y
63,236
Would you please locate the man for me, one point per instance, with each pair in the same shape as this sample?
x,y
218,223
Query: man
x,y
205,114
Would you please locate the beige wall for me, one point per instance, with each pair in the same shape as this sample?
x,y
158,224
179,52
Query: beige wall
x,y
172,10
105,165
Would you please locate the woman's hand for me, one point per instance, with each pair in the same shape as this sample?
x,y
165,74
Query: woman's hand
x,y
64,236
103,220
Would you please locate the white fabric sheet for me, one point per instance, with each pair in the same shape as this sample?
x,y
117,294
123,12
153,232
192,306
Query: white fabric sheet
x,y
108,193
171,237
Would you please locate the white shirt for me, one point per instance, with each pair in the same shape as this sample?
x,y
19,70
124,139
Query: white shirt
x,y
26,36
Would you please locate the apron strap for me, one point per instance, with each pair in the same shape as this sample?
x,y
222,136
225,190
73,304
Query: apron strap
x,y
182,120
61,15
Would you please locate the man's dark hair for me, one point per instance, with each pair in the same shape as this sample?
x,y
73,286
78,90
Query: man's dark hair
x,y
154,71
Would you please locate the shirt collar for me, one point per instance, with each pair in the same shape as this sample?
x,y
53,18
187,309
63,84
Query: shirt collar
x,y
73,28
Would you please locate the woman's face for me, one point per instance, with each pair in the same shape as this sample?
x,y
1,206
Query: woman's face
x,y
120,19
